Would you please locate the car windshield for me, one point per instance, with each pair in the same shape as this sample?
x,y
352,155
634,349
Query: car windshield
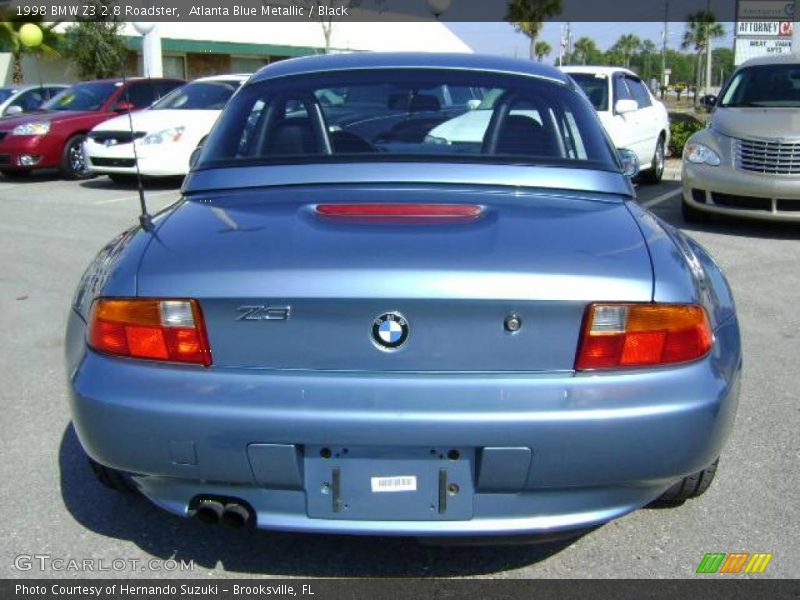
x,y
201,95
595,86
390,115
6,93
765,86
82,96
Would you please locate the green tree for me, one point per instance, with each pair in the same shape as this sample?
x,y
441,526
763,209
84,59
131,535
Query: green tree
x,y
541,49
626,46
96,47
528,16
585,51
11,42
701,27
648,51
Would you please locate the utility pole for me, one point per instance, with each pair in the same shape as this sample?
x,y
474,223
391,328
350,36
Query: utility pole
x,y
708,50
569,42
664,45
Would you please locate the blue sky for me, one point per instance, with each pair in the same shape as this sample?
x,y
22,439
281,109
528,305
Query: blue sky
x,y
500,38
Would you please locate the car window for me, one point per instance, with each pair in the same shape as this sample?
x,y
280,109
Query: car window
x,y
165,87
6,93
775,86
595,86
29,100
141,95
390,116
83,96
200,95
621,91
639,91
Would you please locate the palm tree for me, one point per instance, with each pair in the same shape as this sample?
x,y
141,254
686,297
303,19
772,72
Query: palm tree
x,y
584,48
626,46
528,16
10,41
701,27
541,49
648,47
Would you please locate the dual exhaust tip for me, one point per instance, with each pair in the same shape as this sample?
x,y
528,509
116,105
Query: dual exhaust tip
x,y
227,511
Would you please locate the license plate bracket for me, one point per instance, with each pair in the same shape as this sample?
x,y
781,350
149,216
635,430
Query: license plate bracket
x,y
389,483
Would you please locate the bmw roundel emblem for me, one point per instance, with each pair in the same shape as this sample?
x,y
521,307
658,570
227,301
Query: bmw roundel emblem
x,y
390,331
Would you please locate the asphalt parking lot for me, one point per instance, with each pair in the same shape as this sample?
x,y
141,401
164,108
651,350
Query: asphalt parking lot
x,y
52,505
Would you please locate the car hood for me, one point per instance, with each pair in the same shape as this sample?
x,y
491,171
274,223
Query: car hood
x,y
54,116
760,123
155,120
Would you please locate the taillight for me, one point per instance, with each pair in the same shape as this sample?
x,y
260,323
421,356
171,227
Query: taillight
x,y
400,211
642,335
154,329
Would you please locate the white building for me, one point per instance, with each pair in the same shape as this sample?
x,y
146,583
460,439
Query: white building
x,y
192,50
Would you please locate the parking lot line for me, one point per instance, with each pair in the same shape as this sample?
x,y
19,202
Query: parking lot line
x,y
136,197
662,198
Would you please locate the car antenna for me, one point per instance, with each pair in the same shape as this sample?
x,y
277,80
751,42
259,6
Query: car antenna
x,y
145,218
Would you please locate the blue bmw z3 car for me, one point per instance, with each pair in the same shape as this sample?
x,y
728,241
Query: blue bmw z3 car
x,y
405,294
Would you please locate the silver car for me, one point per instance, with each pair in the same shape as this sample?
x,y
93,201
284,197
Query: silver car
x,y
747,162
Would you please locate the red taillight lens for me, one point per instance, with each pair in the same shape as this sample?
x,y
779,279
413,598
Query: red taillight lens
x,y
642,335
154,329
400,210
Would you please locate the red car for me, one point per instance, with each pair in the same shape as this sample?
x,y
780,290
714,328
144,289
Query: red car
x,y
54,135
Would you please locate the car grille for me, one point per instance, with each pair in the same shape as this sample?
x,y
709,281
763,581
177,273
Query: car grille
x,y
112,138
780,158
742,202
112,162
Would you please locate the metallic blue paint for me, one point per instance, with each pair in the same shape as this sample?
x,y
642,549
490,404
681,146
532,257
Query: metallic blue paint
x,y
542,447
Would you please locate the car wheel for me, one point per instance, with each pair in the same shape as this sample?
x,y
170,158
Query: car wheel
x,y
656,172
73,160
111,478
693,215
688,487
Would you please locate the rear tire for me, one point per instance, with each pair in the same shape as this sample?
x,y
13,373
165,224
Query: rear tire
x,y
693,215
655,173
689,487
73,160
111,478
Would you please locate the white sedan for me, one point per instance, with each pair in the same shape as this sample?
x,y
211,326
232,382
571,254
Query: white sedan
x,y
164,135
631,115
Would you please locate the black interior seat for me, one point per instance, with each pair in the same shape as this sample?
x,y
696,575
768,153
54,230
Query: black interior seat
x,y
292,136
523,135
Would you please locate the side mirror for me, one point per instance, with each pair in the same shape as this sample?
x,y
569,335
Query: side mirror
x,y
194,156
630,162
124,106
709,101
14,109
625,106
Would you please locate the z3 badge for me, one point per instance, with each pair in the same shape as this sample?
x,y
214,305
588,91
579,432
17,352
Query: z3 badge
x,y
263,313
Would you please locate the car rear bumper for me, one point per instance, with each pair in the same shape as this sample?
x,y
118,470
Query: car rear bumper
x,y
537,453
726,190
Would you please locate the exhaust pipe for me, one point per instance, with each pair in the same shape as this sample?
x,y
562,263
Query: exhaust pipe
x,y
235,515
209,511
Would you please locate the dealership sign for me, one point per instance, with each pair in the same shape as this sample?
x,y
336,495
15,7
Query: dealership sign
x,y
763,28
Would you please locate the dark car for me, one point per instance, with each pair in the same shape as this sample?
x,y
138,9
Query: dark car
x,y
54,135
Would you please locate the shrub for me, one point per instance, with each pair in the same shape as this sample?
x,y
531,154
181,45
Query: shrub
x,y
680,131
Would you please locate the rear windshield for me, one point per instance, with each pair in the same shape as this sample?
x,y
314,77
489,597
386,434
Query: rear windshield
x,y
410,114
595,86
775,86
82,96
201,95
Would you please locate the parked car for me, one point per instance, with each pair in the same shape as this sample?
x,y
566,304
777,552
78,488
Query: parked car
x,y
54,136
747,161
631,115
384,335
165,134
19,99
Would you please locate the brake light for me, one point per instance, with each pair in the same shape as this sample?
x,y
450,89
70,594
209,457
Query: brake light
x,y
642,335
400,210
153,329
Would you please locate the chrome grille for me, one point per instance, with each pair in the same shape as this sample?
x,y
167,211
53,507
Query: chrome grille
x,y
779,158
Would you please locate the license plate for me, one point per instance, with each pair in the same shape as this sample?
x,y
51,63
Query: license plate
x,y
404,483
